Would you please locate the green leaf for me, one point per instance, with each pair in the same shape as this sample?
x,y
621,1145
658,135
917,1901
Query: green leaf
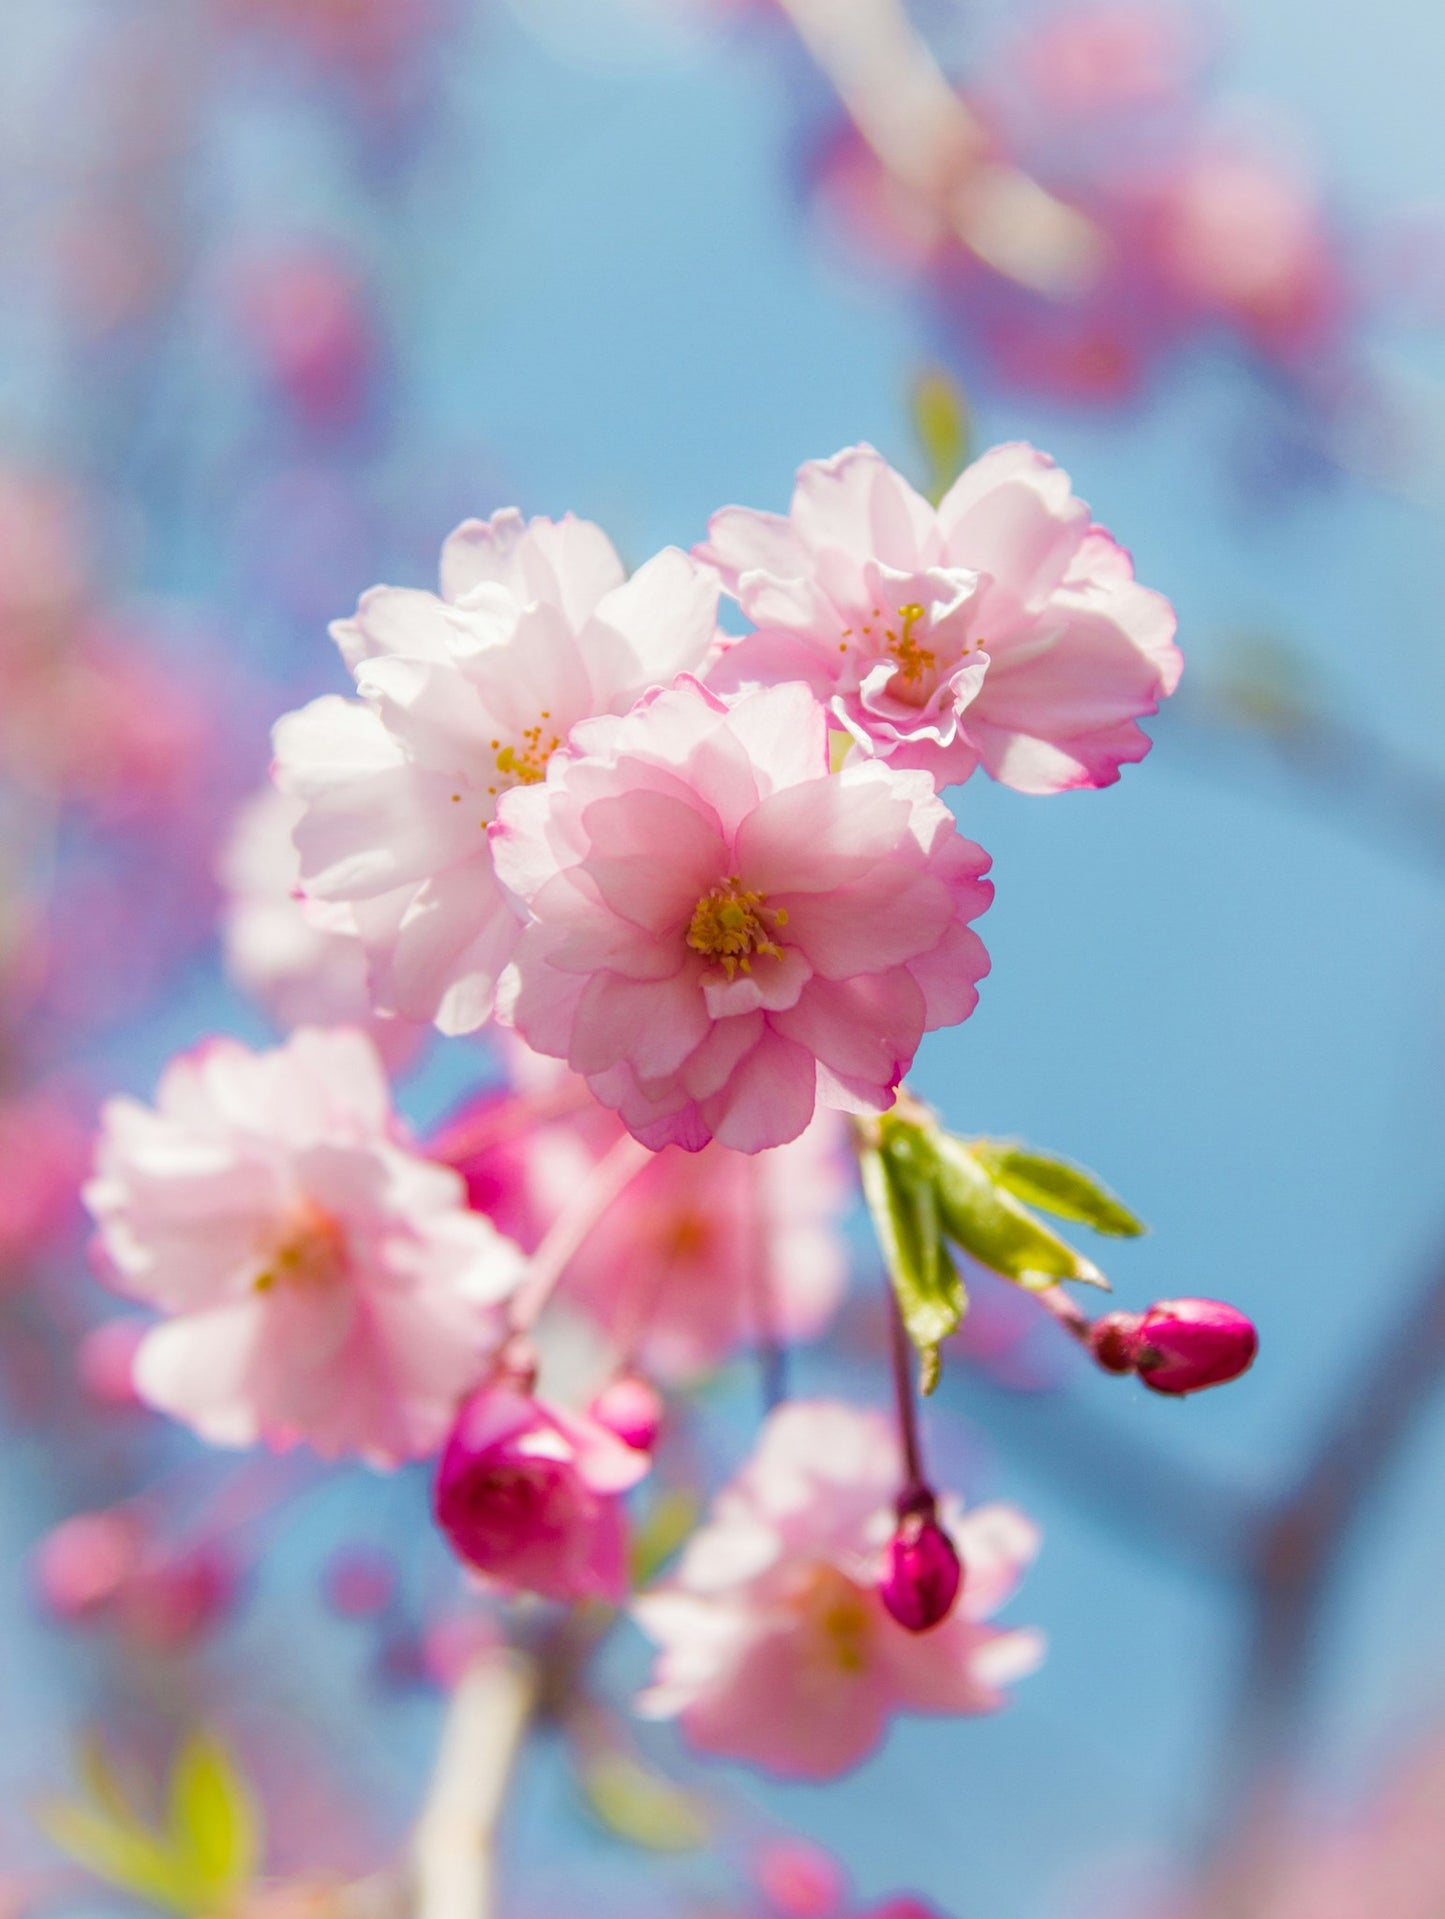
x,y
1057,1185
669,1520
204,1858
121,1852
940,423
989,1224
641,1806
213,1820
899,1183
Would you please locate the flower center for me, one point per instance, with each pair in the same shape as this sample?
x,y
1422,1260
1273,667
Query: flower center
x,y
524,762
841,1618
310,1254
730,924
914,661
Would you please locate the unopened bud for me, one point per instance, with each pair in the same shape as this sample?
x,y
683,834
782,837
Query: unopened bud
x,y
922,1572
1188,1344
631,1409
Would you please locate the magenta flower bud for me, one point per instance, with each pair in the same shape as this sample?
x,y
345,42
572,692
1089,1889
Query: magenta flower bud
x,y
531,1496
1185,1345
922,1572
631,1409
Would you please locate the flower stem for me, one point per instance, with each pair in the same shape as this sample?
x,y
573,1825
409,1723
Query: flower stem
x,y
915,1480
609,1178
454,1843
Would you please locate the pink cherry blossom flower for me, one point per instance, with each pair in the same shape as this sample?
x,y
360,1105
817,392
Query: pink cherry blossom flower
x,y
700,1255
301,960
776,1646
321,1283
530,1496
464,697
723,933
1003,629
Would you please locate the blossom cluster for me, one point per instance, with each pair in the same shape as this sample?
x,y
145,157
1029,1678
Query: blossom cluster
x,y
704,890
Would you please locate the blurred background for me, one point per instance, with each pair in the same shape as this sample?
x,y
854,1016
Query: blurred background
x,y
290,287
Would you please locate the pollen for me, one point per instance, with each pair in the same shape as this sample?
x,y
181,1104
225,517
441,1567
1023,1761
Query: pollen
x,y
525,763
310,1254
731,924
914,660
840,1616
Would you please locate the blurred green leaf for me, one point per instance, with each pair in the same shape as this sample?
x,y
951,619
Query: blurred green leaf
x,y
1057,1185
666,1524
940,424
212,1819
990,1224
208,1852
641,1806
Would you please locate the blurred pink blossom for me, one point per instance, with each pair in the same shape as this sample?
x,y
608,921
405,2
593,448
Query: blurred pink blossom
x,y
775,1646
321,1282
304,964
700,1255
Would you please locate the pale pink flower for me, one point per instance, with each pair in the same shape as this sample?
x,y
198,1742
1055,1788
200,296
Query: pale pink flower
x,y
530,1496
723,933
112,1567
701,1254
1003,628
776,1647
321,1282
464,697
301,960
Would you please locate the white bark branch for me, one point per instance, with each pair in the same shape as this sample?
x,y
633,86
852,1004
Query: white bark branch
x,y
935,148
454,1844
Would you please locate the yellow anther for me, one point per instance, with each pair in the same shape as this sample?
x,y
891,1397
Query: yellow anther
x,y
913,660
311,1252
731,924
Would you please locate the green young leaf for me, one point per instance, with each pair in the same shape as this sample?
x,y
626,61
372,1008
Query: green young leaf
x,y
667,1523
641,1806
204,1858
1057,1185
990,1224
213,1820
123,1853
940,423
899,1183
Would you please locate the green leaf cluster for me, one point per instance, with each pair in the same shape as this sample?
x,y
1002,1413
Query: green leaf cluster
x,y
197,1862
929,1190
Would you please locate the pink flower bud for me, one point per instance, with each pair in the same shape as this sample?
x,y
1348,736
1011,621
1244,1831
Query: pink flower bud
x,y
631,1409
1185,1345
922,1572
800,1880
904,1906
359,1582
177,1600
530,1496
84,1562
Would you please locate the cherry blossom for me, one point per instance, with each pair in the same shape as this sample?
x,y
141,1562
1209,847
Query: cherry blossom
x,y
300,959
465,696
723,933
702,1253
775,1644
1003,629
320,1281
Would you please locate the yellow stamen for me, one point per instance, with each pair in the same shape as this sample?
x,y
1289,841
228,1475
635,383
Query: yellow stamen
x,y
841,1618
525,762
730,925
913,660
310,1254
